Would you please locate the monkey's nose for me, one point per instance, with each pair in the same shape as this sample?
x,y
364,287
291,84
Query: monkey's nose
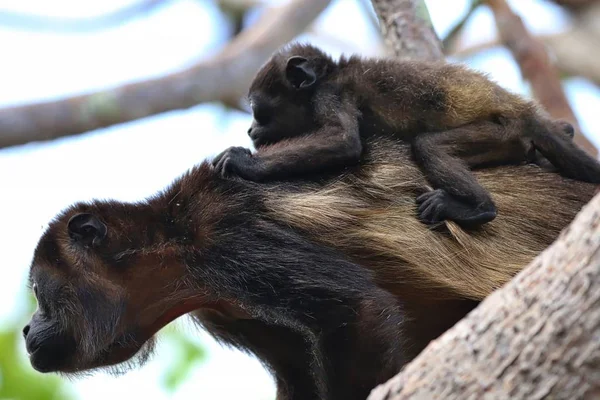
x,y
25,331
249,130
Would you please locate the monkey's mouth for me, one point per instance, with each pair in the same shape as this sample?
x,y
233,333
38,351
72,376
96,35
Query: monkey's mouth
x,y
259,137
131,348
61,354
46,361
117,358
50,354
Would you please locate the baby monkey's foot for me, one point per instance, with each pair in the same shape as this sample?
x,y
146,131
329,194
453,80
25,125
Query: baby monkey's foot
x,y
567,128
437,205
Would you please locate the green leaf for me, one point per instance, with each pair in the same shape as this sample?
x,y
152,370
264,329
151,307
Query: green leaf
x,y
189,355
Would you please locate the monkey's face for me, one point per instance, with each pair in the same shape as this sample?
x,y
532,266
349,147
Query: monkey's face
x,y
282,96
279,116
75,324
101,296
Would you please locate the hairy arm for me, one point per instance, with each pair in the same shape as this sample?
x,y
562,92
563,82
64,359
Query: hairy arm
x,y
335,143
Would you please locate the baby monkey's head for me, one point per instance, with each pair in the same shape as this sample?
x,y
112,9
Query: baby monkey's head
x,y
283,93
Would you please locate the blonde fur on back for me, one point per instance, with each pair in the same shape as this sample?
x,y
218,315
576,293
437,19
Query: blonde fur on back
x,y
371,215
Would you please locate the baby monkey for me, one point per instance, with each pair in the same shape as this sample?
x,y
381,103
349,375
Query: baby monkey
x,y
313,115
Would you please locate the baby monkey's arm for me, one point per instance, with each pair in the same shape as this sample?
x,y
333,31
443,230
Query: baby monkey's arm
x,y
334,145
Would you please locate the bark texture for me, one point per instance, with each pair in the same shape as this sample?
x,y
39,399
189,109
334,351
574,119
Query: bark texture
x,y
224,78
407,29
536,338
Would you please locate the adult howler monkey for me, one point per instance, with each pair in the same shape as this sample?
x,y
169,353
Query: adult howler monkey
x,y
334,284
312,114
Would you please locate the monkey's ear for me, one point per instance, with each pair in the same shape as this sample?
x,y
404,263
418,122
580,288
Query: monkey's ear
x,y
86,229
300,73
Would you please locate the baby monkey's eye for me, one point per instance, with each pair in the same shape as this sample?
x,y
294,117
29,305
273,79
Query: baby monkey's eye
x,y
262,114
35,290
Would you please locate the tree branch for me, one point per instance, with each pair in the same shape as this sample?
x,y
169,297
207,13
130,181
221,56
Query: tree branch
x,y
30,22
575,52
224,78
537,337
236,11
535,67
575,4
407,29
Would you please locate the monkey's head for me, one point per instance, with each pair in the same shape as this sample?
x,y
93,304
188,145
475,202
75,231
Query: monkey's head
x,y
282,92
103,288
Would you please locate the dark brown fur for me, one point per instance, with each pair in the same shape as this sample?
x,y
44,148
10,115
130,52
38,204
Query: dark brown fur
x,y
334,285
312,115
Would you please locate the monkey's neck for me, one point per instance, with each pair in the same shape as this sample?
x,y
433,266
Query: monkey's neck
x,y
189,210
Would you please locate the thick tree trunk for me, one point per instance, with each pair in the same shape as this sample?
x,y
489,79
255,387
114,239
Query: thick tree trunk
x,y
537,337
407,29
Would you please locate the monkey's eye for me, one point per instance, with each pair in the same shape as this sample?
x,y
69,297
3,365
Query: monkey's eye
x,y
262,114
35,293
42,306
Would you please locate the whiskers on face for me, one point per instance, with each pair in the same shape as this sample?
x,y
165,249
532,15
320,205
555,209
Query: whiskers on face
x,y
140,358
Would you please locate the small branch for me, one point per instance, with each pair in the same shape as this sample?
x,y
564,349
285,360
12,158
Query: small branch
x,y
535,67
575,52
462,51
407,29
450,39
30,22
537,337
236,11
224,78
240,5
575,4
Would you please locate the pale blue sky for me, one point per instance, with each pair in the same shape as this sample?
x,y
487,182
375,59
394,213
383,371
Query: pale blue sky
x,y
38,180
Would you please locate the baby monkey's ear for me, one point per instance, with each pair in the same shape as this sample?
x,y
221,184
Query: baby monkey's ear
x,y
300,73
86,229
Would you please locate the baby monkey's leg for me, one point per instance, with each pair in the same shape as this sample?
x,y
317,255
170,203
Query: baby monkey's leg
x,y
445,158
571,161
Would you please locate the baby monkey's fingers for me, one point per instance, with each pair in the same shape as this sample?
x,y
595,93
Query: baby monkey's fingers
x,y
231,150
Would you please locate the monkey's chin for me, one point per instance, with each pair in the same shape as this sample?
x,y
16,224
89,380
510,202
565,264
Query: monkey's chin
x,y
123,356
116,359
41,365
129,350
